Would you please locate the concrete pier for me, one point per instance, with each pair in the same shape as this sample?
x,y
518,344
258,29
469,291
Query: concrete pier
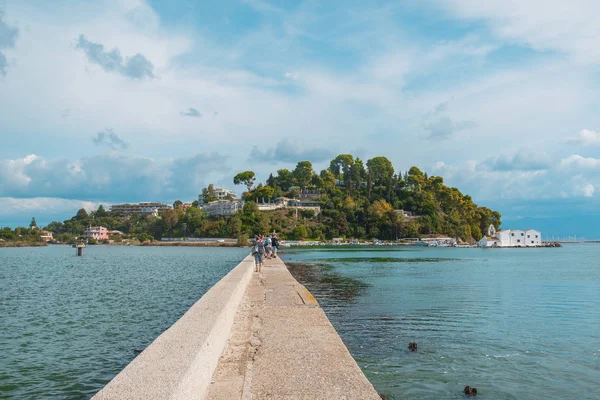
x,y
274,342
179,363
283,346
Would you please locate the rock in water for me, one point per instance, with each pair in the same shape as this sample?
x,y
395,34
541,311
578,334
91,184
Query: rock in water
x,y
470,391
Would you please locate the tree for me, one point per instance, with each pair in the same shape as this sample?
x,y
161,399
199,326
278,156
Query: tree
x,y
55,227
294,193
101,212
261,193
143,237
195,203
327,179
341,165
209,193
416,178
177,204
355,174
284,179
271,181
194,218
253,220
381,170
81,214
169,218
381,208
303,173
300,232
33,224
247,178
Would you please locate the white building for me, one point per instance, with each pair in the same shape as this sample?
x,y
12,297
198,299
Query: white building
x,y
220,194
149,209
269,206
511,238
46,236
222,207
533,237
313,205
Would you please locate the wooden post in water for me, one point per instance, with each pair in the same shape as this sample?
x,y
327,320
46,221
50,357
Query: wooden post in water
x,y
79,247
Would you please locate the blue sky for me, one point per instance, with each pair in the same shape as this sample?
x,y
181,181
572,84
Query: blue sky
x,y
132,100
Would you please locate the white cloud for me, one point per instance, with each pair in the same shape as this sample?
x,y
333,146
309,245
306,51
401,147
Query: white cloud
x,y
586,137
569,27
329,106
589,190
8,36
135,67
515,179
191,112
113,177
439,125
521,161
10,205
289,152
578,161
109,138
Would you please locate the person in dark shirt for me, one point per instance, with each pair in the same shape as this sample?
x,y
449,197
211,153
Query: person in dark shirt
x,y
274,245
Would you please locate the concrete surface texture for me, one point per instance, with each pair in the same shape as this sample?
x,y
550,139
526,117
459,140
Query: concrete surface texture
x,y
282,346
179,364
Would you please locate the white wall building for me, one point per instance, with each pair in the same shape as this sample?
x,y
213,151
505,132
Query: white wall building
x,y
149,209
220,194
269,206
511,238
533,237
222,207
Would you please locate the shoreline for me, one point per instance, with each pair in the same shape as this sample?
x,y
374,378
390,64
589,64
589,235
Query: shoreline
x,y
146,244
22,244
192,244
290,244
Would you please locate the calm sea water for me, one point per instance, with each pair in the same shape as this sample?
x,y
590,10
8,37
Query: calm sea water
x,y
514,323
69,324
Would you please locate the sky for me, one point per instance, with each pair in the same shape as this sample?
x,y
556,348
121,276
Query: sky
x,y
145,100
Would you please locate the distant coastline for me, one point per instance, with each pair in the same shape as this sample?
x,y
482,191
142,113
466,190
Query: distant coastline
x,y
13,244
21,244
193,244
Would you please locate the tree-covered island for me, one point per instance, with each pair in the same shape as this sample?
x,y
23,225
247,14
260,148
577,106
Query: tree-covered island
x,y
356,200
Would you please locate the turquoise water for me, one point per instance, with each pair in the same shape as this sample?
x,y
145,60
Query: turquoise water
x,y
69,324
514,323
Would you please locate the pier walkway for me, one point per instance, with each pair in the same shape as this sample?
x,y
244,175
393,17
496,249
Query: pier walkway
x,y
282,346
251,336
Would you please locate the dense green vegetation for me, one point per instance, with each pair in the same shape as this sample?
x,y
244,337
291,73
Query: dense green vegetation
x,y
24,236
357,199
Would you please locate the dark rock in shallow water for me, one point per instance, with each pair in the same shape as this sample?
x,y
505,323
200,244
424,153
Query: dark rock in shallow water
x,y
470,391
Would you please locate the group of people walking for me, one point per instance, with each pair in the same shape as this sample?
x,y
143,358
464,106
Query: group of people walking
x,y
264,247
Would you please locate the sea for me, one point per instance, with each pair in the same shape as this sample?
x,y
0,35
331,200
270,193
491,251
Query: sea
x,y
69,324
514,323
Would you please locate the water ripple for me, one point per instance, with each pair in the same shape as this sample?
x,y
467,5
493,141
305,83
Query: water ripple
x,y
514,324
68,324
